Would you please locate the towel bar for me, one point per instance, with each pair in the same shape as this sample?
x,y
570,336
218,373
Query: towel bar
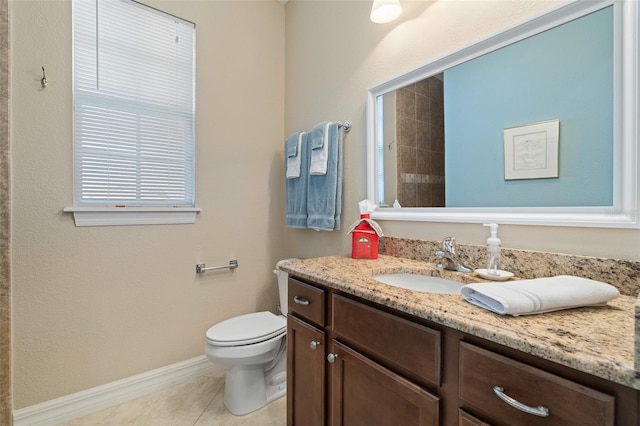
x,y
200,267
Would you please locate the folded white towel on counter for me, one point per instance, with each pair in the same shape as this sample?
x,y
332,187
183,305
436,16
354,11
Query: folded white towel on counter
x,y
539,295
293,152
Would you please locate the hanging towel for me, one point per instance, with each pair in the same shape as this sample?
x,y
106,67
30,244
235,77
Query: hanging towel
x,y
324,197
336,218
319,146
292,149
296,187
536,296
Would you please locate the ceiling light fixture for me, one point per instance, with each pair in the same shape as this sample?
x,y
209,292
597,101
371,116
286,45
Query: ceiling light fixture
x,y
384,11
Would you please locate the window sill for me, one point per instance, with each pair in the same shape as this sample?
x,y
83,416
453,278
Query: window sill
x,y
114,216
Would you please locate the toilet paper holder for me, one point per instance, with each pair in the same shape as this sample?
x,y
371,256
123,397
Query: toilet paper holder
x,y
200,267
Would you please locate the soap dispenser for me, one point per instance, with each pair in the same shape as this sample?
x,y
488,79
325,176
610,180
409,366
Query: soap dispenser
x,y
493,250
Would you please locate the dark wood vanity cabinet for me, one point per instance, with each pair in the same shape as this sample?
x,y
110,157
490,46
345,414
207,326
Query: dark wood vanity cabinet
x,y
378,364
352,362
306,355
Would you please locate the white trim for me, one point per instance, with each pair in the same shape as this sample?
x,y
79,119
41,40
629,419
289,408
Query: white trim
x,y
109,216
542,216
625,211
95,399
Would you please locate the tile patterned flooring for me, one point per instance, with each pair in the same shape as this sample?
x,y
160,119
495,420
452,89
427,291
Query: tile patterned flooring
x,y
195,403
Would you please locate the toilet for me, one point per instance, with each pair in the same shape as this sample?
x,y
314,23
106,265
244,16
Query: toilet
x,y
252,347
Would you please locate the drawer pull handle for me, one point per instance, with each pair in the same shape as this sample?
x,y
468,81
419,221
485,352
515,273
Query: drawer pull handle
x,y
300,300
536,411
332,358
314,345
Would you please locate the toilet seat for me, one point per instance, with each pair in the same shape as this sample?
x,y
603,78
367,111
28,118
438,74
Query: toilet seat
x,y
247,329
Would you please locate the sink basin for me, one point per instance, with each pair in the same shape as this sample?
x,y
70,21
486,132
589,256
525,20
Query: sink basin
x,y
424,283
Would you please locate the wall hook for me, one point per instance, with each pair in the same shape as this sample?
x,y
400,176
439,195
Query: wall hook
x,y
44,81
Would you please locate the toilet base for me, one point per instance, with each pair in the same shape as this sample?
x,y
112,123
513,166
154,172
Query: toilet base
x,y
248,388
276,380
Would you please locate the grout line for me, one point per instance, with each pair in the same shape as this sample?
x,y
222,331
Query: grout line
x,y
210,402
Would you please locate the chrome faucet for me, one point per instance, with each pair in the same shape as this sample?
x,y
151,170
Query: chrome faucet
x,y
448,258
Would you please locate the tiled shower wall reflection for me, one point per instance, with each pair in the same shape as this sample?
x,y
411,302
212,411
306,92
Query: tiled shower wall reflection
x,y
5,284
420,133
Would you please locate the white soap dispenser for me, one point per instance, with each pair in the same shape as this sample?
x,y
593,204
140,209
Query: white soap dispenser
x,y
493,250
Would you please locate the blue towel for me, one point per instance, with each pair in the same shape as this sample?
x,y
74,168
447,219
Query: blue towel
x,y
324,194
296,188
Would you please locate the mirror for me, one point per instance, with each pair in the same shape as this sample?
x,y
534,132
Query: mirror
x,y
463,111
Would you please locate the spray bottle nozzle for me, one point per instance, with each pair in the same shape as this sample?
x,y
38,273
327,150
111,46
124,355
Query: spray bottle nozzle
x,y
493,228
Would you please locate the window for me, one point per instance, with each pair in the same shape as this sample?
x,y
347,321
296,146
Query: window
x,y
133,113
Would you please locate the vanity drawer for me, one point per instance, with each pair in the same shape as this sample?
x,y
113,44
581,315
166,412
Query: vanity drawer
x,y
466,419
568,403
307,301
407,347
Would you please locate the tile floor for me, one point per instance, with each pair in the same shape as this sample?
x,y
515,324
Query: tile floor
x,y
195,403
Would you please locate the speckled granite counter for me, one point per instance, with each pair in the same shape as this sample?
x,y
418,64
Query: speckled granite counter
x,y
597,340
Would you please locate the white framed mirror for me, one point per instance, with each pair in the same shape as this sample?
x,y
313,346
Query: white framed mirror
x,y
613,167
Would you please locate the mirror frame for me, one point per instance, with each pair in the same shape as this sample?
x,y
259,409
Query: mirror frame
x,y
625,211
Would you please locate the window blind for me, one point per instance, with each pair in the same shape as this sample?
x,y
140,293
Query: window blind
x,y
134,105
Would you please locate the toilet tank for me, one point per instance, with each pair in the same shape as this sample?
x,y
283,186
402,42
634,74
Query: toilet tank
x,y
283,285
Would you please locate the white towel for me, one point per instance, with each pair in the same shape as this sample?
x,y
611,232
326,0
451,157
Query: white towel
x,y
320,152
539,295
294,155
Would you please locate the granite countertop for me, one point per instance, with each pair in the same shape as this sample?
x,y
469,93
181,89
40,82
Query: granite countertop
x,y
595,340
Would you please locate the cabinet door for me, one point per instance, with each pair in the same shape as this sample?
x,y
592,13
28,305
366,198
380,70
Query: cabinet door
x,y
363,392
305,374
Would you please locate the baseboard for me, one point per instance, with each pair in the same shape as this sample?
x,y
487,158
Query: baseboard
x,y
95,399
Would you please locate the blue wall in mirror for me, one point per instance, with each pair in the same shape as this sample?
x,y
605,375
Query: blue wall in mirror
x,y
565,73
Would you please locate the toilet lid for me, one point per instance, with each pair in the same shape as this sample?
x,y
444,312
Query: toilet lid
x,y
247,329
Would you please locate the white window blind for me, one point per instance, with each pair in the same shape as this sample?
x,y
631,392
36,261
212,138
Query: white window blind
x,y
134,114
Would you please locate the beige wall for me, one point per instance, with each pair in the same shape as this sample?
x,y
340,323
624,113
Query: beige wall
x,y
5,211
93,305
335,54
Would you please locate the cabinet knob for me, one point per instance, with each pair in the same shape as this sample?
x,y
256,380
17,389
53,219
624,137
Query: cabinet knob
x,y
314,345
332,358
536,411
300,301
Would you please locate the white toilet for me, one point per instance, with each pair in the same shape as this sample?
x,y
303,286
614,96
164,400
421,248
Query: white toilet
x,y
252,348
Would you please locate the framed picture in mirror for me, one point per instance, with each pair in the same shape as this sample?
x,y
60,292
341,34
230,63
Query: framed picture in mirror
x,y
531,151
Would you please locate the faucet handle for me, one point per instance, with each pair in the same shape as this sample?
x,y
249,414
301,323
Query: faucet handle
x,y
449,245
448,259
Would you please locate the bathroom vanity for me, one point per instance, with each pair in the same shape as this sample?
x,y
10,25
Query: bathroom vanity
x,y
362,352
